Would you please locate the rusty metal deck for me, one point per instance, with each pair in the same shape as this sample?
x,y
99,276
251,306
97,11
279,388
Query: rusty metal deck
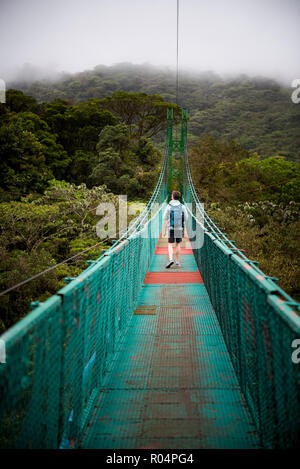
x,y
172,384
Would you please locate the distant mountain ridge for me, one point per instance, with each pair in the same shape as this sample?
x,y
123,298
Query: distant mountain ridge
x,y
256,111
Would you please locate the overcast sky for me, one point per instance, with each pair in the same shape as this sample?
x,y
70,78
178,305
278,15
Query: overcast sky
x,y
252,36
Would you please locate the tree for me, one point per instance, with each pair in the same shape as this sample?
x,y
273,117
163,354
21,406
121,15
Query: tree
x,y
17,101
56,157
78,126
22,161
225,171
116,137
125,165
78,203
145,115
114,158
27,225
37,233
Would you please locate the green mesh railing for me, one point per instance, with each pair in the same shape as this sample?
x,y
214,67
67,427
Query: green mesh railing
x,y
259,322
58,356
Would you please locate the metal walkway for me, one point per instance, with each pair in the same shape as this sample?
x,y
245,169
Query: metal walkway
x,y
171,384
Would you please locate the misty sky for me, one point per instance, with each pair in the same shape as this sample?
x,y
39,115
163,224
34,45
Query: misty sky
x,y
251,36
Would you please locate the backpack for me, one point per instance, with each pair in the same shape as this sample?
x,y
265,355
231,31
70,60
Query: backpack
x,y
177,219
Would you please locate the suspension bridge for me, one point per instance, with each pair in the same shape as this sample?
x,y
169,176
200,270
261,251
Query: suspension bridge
x,y
129,355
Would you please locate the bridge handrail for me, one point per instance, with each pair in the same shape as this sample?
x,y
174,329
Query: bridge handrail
x,y
260,324
58,356
211,227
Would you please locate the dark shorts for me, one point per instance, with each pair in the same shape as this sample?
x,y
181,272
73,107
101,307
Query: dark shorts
x,y
171,238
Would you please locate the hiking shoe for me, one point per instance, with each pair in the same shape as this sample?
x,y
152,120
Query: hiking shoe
x,y
171,262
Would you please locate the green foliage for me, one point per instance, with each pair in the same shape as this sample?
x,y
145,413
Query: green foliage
x,y
145,115
273,178
78,245
268,232
256,201
16,101
15,266
257,112
77,126
38,232
124,165
22,162
67,157
61,141
55,156
225,171
26,225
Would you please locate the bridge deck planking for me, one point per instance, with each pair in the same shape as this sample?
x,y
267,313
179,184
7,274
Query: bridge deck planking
x,y
171,384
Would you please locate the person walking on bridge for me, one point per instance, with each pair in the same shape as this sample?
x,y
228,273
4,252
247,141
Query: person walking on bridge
x,y
175,217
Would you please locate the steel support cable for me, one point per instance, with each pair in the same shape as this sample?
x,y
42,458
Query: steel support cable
x,y
4,292
49,269
177,54
39,274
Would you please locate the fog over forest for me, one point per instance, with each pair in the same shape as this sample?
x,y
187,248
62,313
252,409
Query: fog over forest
x,y
41,39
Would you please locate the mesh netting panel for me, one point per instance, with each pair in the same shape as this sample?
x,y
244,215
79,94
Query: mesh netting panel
x,y
58,356
30,380
97,308
258,334
259,325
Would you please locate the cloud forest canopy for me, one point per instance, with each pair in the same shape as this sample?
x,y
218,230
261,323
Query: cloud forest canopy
x,y
87,142
257,112
85,139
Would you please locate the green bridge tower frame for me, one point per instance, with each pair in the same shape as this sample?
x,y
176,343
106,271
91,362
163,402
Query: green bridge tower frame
x,y
176,146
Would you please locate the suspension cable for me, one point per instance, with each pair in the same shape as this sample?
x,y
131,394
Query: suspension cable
x,y
135,225
177,54
210,226
4,292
